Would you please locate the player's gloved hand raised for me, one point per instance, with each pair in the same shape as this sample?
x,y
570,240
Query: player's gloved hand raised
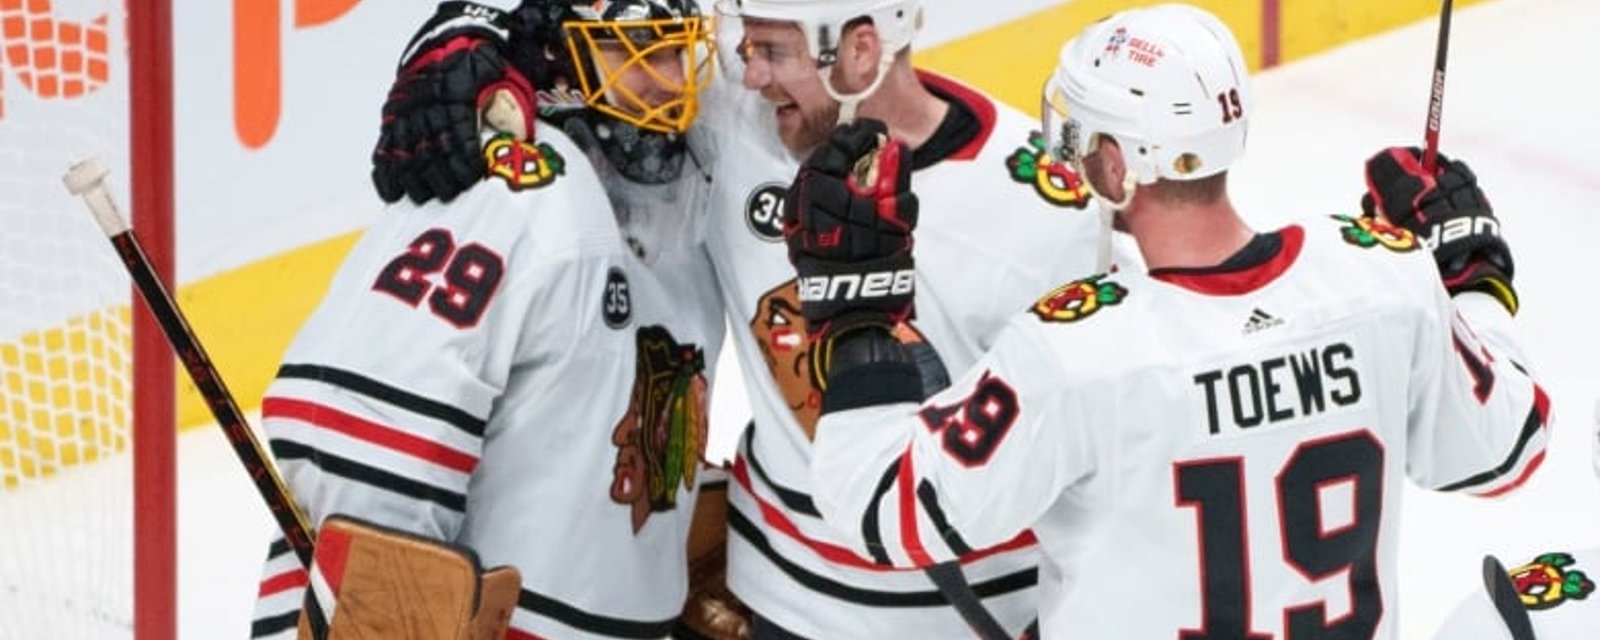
x,y
1447,211
848,219
428,146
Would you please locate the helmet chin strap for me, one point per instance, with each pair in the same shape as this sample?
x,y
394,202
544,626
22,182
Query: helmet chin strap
x,y
849,102
1108,211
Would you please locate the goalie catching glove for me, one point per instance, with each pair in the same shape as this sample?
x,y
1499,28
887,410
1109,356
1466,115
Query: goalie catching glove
x,y
1448,212
847,221
456,64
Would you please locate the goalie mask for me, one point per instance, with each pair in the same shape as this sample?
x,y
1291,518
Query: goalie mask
x,y
641,62
621,76
1168,83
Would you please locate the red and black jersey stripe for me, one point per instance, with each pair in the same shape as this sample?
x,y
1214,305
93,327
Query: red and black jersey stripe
x,y
1538,417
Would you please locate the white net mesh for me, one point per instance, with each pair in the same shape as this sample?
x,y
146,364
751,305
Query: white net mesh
x,y
65,472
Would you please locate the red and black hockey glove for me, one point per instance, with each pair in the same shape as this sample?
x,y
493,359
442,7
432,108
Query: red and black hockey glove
x,y
1448,212
429,146
847,220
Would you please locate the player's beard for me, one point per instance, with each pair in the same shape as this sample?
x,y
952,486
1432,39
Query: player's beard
x,y
813,129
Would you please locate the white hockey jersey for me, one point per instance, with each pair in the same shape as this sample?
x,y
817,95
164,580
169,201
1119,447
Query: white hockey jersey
x,y
1204,453
515,372
998,225
1553,591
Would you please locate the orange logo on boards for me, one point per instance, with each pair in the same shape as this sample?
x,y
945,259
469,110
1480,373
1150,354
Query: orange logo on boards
x,y
258,60
57,58
52,58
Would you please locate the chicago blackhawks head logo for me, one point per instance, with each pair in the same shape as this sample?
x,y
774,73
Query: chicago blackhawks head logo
x,y
662,437
1369,231
1078,299
1052,180
1549,581
523,165
780,333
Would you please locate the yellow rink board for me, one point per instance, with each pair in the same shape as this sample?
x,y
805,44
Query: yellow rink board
x,y
247,316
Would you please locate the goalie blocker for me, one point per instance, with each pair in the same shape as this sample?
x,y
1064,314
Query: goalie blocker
x,y
370,581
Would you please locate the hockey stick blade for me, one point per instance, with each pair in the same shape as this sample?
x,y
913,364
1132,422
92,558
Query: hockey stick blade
x,y
88,179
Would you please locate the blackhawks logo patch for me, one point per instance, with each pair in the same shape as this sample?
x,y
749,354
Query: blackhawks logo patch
x,y
661,439
1369,231
1053,181
523,165
1079,299
1549,581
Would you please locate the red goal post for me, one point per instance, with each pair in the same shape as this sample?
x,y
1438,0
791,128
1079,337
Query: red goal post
x,y
87,430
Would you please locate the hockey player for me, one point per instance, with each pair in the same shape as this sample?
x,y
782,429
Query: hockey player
x,y
521,371
1550,597
1000,224
1004,222
1210,448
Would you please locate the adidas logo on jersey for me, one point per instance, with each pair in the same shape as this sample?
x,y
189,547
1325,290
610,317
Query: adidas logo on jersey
x,y
1260,321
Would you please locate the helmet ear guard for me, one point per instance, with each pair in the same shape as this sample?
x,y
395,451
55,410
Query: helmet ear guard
x,y
1168,83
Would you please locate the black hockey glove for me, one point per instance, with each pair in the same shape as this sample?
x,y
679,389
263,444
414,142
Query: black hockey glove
x,y
429,146
847,220
1450,215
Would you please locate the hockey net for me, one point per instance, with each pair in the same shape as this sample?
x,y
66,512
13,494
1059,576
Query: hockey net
x,y
67,376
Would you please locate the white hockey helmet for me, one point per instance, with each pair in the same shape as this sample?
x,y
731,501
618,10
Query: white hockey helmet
x,y
822,22
1167,82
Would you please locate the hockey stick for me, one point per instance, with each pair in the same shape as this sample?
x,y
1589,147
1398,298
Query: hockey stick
x,y
1507,602
87,179
947,576
1430,152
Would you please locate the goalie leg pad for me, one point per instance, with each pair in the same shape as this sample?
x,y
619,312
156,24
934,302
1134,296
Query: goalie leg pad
x,y
371,581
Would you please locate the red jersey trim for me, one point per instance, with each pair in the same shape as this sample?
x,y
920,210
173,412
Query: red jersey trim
x,y
1527,472
384,436
1242,281
1541,408
774,518
909,537
980,105
291,579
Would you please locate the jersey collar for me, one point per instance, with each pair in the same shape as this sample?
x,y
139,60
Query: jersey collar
x,y
1244,272
979,105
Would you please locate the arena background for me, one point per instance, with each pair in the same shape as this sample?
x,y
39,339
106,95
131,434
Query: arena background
x,y
277,104
261,226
